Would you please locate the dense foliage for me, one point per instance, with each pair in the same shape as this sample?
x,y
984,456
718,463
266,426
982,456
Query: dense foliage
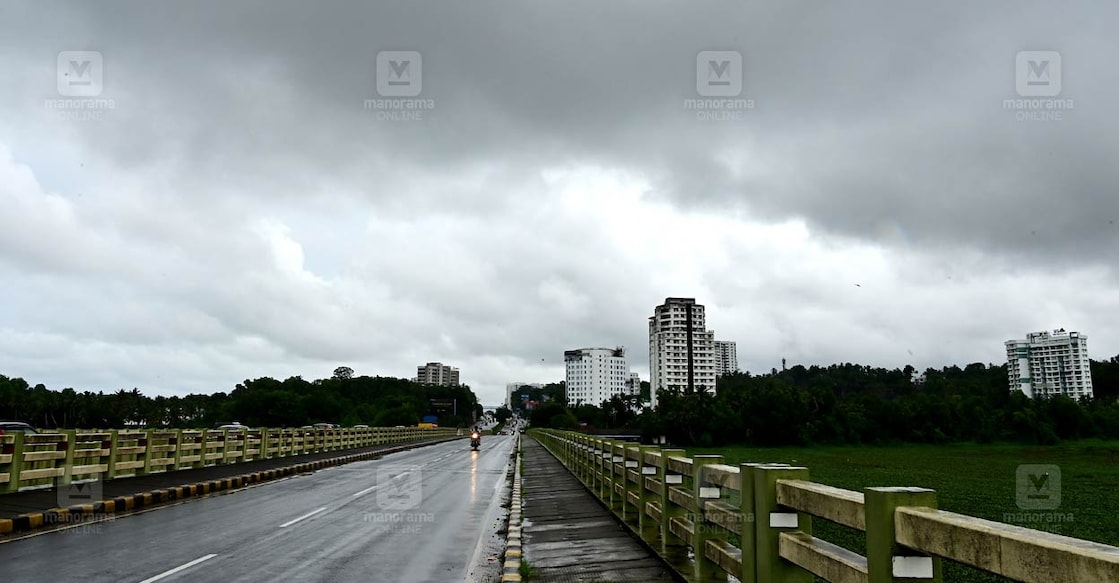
x,y
344,399
851,404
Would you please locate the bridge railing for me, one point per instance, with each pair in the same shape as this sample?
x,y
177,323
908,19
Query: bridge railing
x,y
64,456
754,521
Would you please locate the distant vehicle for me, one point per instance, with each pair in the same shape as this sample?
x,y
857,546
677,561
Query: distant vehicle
x,y
234,427
325,426
16,427
361,427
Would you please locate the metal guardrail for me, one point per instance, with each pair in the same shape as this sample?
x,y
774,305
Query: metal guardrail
x,y
63,457
678,503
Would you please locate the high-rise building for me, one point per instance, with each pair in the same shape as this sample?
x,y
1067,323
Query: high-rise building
x,y
437,373
595,374
1050,363
681,349
633,386
726,357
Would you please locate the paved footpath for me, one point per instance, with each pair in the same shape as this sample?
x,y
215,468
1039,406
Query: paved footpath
x,y
569,536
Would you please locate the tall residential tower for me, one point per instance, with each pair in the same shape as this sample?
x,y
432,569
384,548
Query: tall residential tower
x,y
1050,363
726,357
681,349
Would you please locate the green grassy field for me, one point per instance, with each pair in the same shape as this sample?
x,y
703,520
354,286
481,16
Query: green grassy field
x,y
977,480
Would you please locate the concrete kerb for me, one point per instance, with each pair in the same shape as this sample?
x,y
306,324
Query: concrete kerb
x,y
80,512
511,569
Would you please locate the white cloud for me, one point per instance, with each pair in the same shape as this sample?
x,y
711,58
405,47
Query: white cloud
x,y
246,217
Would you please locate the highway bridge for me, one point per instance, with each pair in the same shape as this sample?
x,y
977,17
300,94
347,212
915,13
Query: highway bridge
x,y
432,513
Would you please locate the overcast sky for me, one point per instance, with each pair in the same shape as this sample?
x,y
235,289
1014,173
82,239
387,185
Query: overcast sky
x,y
241,211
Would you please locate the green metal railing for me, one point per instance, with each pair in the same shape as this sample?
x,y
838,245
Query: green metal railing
x,y
754,521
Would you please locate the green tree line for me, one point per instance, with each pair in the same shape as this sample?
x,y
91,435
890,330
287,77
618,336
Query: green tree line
x,y
853,404
263,402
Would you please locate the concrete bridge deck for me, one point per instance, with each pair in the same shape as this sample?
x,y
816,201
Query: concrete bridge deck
x,y
570,537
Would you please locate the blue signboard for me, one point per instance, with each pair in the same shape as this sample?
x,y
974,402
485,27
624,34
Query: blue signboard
x,y
430,419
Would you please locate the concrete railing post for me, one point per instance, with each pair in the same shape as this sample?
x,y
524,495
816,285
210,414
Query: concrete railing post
x,y
177,449
16,465
69,445
612,461
149,444
704,569
631,456
114,454
886,560
648,528
747,519
772,520
670,543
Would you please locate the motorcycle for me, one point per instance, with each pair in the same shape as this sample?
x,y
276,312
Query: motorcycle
x,y
475,440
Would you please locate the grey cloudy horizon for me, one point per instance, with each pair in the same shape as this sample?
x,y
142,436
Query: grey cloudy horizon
x,y
240,212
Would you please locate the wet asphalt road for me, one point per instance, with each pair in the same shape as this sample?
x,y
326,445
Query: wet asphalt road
x,y
429,514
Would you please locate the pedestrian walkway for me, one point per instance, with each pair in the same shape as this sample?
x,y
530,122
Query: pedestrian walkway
x,y
569,537
12,505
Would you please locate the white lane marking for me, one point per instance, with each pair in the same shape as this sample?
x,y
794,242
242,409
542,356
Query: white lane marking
x,y
304,517
166,574
371,488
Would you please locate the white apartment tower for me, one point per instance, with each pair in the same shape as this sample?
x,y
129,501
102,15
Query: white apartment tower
x,y
437,373
633,387
681,349
726,358
595,374
1050,363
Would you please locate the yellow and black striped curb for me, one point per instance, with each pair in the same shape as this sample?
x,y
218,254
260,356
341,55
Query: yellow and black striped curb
x,y
86,512
511,570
